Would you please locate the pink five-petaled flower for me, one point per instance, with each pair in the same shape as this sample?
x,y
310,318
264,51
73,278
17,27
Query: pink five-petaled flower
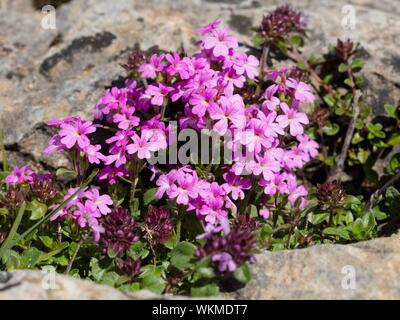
x,y
21,175
184,189
230,110
75,133
142,145
220,42
93,154
301,90
125,118
267,166
201,101
235,185
177,66
100,201
157,94
308,145
247,65
148,70
213,210
293,119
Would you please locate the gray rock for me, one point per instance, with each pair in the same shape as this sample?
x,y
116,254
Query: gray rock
x,y
324,272
37,285
46,74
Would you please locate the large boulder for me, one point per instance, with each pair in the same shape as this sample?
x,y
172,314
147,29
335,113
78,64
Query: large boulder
x,y
365,270
48,73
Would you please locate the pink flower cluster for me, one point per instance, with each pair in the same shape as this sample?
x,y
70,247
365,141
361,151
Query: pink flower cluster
x,y
135,138
18,176
73,135
272,130
86,208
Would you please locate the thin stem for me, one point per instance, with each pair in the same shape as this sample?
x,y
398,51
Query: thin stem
x,y
374,197
338,168
71,262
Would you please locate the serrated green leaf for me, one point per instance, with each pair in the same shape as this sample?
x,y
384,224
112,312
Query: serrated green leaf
x,y
394,139
357,138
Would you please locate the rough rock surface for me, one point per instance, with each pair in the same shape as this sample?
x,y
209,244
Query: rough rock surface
x,y
36,285
325,272
56,73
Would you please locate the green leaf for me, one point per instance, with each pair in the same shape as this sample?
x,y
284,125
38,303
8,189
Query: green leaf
x,y
9,241
38,209
258,40
149,196
391,110
110,278
349,82
375,130
392,196
30,258
137,250
331,129
205,291
342,67
243,273
96,272
62,171
182,254
362,155
47,241
378,214
153,283
330,231
329,100
394,139
357,138
295,40
343,233
316,59
318,218
206,272
394,163
357,63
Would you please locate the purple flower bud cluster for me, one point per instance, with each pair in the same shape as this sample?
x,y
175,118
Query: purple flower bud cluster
x,y
159,224
130,267
280,23
345,49
43,188
12,199
119,231
331,194
230,250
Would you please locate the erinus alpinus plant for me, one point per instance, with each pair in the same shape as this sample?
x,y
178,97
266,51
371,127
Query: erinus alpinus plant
x,y
193,166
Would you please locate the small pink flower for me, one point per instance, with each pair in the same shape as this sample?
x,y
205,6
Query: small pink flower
x,y
18,176
72,134
302,90
142,145
220,41
293,119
